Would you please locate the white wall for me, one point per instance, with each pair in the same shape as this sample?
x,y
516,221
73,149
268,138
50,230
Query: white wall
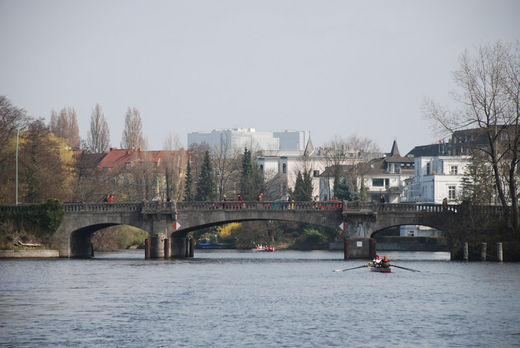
x,y
434,187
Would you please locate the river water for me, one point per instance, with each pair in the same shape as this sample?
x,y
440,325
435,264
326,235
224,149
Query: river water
x,y
246,299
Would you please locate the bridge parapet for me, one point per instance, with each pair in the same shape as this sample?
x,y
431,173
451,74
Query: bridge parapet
x,y
101,207
371,207
158,207
258,206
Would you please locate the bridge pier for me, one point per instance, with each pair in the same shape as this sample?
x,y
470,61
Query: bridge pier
x,y
178,246
157,247
359,248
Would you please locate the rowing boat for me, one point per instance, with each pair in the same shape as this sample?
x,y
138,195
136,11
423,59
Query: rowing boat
x,y
381,269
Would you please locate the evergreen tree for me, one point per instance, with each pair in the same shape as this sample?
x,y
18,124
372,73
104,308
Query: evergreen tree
x,y
307,184
346,190
303,187
363,194
299,190
188,193
251,181
206,184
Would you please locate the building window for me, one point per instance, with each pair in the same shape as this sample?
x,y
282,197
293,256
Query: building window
x,y
105,169
454,170
428,169
378,182
452,193
128,165
284,168
262,168
316,173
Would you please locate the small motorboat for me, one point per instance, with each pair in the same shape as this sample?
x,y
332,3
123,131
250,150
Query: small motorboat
x,y
381,269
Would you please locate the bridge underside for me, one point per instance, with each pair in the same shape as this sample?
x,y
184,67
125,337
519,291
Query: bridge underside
x,y
366,226
191,221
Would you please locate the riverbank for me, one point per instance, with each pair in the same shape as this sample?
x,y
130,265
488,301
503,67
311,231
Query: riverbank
x,y
39,254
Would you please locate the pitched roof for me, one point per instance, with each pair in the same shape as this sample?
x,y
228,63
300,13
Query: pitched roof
x,y
116,159
395,150
309,148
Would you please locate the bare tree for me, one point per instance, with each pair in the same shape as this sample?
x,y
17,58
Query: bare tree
x,y
175,159
11,119
226,164
65,125
489,89
133,133
99,135
351,151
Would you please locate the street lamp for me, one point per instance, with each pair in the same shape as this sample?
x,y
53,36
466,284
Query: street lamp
x,y
17,136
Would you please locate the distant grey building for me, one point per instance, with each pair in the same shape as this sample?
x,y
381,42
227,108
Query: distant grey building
x,y
239,138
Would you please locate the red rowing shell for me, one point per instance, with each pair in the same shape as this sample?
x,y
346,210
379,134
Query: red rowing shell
x,y
381,269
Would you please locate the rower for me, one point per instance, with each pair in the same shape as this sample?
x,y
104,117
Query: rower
x,y
385,263
377,261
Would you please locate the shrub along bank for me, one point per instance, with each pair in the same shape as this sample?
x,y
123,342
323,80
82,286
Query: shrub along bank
x,y
34,223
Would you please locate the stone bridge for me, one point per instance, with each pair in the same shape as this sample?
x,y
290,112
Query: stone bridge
x,y
362,220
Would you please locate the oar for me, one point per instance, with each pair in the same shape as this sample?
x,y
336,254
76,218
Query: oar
x,y
348,269
408,269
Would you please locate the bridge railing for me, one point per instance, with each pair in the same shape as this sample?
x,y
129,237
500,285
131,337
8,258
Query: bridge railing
x,y
417,208
264,205
101,207
401,207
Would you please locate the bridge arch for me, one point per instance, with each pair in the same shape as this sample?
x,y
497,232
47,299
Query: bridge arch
x,y
196,215
80,239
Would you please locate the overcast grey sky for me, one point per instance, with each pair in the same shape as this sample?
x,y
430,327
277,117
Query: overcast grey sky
x,y
332,67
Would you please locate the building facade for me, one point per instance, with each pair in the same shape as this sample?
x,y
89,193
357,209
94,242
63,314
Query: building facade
x,y
237,139
383,179
438,174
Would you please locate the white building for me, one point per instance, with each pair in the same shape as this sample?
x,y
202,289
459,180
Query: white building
x,y
239,138
438,175
385,176
285,164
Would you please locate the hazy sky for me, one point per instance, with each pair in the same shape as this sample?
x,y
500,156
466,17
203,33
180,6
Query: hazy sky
x,y
332,67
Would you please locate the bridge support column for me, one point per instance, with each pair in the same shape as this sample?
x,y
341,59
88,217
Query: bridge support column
x,y
178,247
358,248
346,249
146,248
190,247
371,248
167,248
156,247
